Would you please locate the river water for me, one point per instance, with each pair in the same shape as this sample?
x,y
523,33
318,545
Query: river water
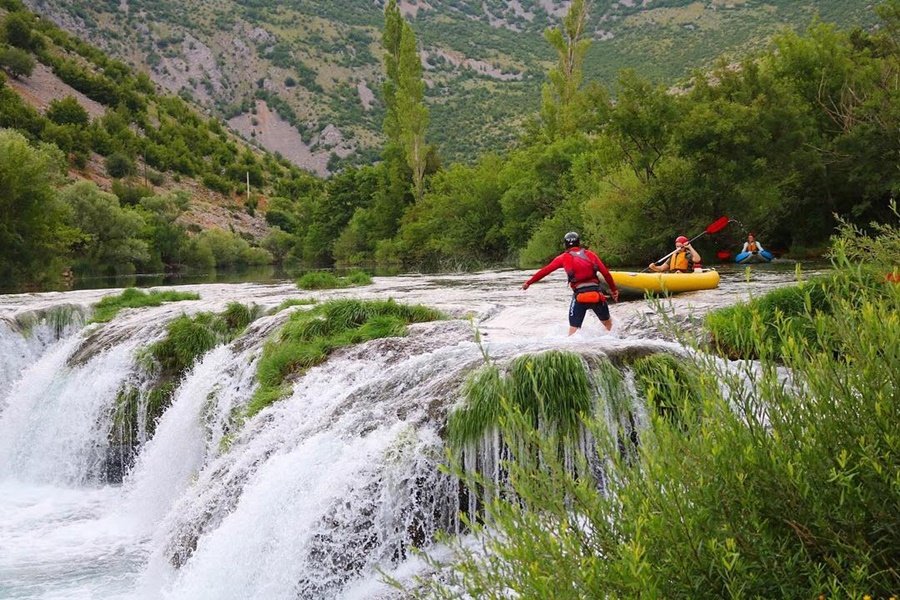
x,y
310,498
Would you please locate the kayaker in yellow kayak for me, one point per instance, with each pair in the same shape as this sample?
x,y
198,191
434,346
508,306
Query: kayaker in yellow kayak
x,y
682,260
582,267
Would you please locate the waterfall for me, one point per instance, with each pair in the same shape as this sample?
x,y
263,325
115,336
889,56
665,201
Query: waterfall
x,y
307,499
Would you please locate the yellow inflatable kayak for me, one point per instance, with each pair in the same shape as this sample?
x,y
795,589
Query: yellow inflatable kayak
x,y
672,283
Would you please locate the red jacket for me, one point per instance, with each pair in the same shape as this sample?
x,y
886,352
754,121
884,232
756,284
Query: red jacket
x,y
578,269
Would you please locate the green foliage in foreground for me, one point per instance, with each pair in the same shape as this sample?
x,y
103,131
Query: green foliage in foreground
x,y
324,280
109,307
768,489
551,389
310,336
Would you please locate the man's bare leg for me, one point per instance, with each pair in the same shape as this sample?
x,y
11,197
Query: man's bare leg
x,y
607,323
573,330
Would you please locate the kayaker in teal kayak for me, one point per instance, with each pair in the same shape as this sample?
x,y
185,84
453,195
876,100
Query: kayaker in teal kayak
x,y
752,246
753,252
584,269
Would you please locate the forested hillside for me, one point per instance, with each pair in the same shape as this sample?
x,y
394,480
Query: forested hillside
x,y
317,65
100,174
781,139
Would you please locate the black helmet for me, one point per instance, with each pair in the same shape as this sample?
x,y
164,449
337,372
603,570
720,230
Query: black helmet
x,y
572,239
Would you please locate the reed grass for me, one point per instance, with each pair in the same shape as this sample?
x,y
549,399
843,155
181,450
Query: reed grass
x,y
757,328
109,307
553,391
324,280
667,383
308,337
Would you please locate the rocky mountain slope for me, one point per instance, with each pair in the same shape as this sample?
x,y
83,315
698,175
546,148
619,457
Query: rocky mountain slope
x,y
303,77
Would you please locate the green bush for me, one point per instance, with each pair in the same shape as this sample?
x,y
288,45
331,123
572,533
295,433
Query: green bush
x,y
119,165
17,62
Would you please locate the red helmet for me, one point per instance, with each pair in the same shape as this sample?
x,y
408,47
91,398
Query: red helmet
x,y
751,235
681,240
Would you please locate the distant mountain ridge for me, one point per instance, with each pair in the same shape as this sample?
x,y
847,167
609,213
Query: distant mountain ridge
x,y
303,78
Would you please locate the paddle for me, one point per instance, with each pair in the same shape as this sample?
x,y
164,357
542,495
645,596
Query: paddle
x,y
714,227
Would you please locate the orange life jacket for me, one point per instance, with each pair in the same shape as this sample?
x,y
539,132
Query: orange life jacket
x,y
681,261
751,246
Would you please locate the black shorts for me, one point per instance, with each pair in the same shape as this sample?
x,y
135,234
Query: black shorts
x,y
577,310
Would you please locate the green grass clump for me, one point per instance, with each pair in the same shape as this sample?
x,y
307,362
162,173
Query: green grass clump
x,y
310,336
358,278
109,307
319,280
667,383
168,360
324,280
759,328
552,390
294,302
749,329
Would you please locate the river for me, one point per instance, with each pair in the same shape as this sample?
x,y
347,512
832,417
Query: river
x,y
312,496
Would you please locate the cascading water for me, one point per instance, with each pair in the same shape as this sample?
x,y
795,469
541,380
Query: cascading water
x,y
307,499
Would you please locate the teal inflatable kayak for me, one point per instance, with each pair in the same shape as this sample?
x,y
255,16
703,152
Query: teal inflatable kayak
x,y
763,256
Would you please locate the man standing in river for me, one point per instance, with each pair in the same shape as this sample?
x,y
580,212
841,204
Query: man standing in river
x,y
582,267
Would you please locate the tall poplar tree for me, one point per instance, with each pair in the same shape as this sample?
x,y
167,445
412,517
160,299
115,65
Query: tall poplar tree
x,y
406,117
561,104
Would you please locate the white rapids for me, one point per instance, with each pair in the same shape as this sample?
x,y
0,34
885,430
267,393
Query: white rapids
x,y
310,498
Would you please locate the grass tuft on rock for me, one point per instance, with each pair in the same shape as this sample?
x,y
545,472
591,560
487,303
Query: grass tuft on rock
x,y
168,360
310,336
552,390
109,307
325,280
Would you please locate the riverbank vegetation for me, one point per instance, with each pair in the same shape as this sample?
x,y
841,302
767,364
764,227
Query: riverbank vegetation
x,y
779,478
781,141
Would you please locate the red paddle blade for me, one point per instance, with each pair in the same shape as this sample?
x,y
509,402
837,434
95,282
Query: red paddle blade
x,y
723,254
717,225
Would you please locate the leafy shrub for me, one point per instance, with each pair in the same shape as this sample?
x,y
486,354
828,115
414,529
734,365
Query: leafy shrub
x,y
119,165
16,62
67,112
